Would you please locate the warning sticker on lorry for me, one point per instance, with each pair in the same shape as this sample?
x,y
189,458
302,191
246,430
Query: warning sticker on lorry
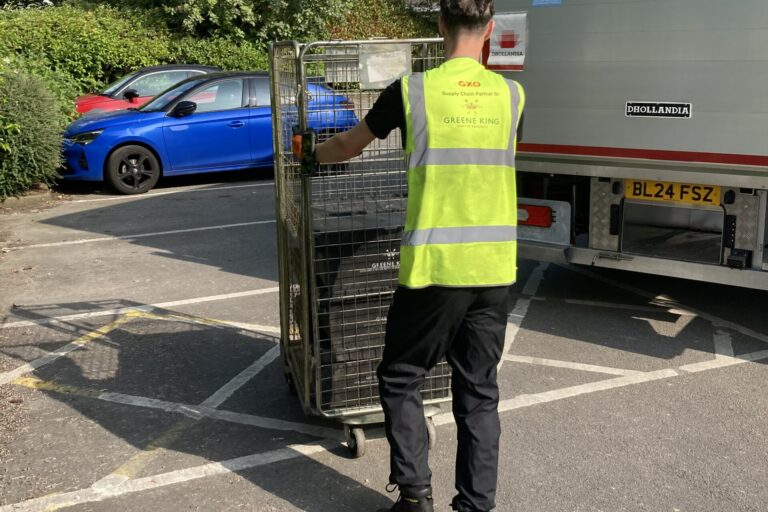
x,y
506,49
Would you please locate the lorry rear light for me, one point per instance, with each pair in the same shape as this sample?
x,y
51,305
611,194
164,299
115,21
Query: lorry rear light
x,y
536,216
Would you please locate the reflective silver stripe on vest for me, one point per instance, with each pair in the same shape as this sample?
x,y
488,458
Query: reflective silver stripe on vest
x,y
461,235
499,157
514,97
422,155
418,111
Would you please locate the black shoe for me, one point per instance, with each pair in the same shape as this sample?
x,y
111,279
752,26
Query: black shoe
x,y
419,501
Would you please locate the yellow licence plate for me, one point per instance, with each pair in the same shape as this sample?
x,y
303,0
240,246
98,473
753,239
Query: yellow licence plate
x,y
667,192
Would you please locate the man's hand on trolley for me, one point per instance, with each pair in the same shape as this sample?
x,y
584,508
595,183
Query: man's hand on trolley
x,y
303,148
339,148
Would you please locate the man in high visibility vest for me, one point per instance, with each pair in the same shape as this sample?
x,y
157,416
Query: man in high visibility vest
x,y
458,254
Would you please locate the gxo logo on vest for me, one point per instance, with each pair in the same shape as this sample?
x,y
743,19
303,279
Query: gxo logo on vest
x,y
463,83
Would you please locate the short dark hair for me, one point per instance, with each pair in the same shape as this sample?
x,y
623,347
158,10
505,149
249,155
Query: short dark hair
x,y
466,14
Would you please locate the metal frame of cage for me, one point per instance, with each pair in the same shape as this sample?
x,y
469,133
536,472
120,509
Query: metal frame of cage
x,y
339,230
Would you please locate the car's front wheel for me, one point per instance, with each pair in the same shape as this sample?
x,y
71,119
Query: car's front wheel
x,y
133,170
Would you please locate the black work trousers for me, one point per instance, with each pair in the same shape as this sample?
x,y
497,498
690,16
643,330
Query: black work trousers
x,y
467,326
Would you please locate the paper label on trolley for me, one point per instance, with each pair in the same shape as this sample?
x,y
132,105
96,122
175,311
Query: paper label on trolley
x,y
508,44
342,65
382,64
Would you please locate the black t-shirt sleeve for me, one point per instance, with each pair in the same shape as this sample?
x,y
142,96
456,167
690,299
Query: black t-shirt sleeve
x,y
388,112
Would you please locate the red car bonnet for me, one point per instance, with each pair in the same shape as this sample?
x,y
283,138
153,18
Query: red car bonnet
x,y
90,102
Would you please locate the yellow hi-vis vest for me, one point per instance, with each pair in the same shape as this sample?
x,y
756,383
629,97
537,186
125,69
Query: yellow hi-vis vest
x,y
461,218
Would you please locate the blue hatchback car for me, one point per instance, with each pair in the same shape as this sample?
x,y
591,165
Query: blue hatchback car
x,y
213,122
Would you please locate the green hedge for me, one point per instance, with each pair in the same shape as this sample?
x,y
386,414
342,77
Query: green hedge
x,y
220,52
59,83
30,142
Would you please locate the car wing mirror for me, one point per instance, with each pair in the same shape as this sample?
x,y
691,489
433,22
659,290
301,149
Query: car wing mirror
x,y
131,95
183,108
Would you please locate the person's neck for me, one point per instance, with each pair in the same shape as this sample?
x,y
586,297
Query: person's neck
x,y
462,56
470,49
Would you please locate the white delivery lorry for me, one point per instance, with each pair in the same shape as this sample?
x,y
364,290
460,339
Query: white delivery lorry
x,y
644,143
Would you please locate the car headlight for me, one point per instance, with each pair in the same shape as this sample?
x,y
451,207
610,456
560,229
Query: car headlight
x,y
85,138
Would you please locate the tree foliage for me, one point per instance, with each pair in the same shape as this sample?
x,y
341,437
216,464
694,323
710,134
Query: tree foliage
x,y
260,21
382,18
24,4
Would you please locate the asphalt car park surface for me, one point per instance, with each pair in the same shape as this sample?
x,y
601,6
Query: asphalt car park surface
x,y
139,371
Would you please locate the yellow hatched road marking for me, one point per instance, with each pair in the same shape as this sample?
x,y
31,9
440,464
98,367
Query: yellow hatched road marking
x,y
209,321
55,387
105,329
80,342
135,464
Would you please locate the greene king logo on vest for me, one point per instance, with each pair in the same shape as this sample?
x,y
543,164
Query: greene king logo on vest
x,y
471,106
658,109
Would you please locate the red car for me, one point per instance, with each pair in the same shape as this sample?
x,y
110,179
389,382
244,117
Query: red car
x,y
137,88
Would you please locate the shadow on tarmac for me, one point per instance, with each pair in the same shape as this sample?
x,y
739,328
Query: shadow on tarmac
x,y
180,362
597,313
248,250
102,188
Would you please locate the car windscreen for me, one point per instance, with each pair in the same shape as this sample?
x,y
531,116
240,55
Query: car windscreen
x,y
163,99
115,86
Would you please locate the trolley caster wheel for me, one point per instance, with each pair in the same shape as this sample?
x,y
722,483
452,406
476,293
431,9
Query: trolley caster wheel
x,y
291,384
355,441
431,433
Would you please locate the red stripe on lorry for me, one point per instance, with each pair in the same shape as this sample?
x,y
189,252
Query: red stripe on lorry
x,y
646,154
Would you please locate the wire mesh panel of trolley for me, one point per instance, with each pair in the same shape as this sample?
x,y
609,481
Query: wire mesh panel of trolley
x,y
339,230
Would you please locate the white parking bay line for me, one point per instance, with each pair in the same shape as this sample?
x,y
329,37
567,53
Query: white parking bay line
x,y
723,344
141,235
144,307
569,365
90,495
583,389
629,307
198,411
522,401
516,317
725,361
130,468
534,281
187,190
223,394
